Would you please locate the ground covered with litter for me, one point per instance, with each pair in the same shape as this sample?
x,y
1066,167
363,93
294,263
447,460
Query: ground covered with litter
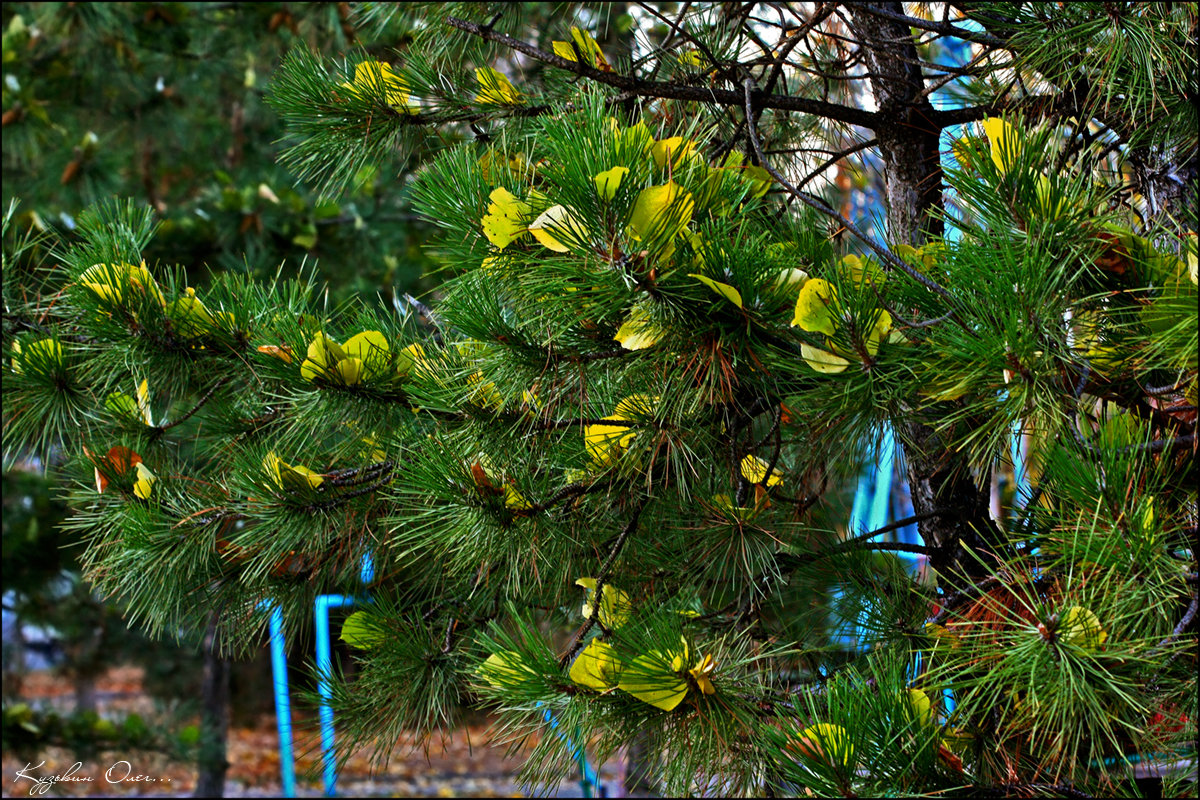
x,y
465,764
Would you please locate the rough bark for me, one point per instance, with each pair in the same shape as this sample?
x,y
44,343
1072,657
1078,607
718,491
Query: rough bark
x,y
908,141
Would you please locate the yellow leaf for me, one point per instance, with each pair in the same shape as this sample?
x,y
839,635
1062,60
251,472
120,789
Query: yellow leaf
x,y
412,358
505,670
609,181
560,230
827,743
638,332
754,469
822,360
145,481
361,632
370,348
516,501
495,89
143,402
615,607
505,218
587,45
1005,146
671,151
702,674
634,140
791,280
606,442
190,316
323,355
121,403
1080,626
42,355
724,289
285,476
349,371
596,667
878,332
109,282
918,706
660,213
375,78
815,307
654,679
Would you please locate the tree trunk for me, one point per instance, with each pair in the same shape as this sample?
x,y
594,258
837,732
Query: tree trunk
x,y
908,141
214,717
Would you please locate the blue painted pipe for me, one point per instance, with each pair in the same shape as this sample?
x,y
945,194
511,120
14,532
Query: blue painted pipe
x,y
283,705
324,603
587,776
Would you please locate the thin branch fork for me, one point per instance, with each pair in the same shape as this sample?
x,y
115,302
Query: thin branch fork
x,y
672,91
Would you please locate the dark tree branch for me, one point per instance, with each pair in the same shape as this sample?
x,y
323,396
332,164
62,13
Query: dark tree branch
x,y
673,91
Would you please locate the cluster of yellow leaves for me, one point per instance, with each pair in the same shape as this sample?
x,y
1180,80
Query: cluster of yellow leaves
x,y
117,284
373,79
660,679
818,310
363,357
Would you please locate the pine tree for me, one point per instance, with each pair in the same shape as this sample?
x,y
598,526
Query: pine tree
x,y
667,346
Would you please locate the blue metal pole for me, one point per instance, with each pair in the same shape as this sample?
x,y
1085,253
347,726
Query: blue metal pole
x,y
324,683
283,706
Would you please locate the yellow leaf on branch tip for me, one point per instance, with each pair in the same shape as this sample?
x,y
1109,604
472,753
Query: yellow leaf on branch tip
x,y
724,289
1080,626
878,332
558,229
371,77
505,218
815,307
495,88
322,358
360,631
791,280
609,181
